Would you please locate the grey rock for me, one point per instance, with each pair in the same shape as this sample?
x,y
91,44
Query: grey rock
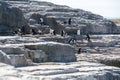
x,y
11,18
56,51
13,56
61,71
87,66
15,14
18,60
37,56
4,57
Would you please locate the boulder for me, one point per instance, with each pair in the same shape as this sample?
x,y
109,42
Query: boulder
x,y
14,60
11,18
13,56
17,56
56,51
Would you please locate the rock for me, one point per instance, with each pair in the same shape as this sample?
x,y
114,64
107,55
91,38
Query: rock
x,y
87,65
111,62
46,21
20,40
60,71
13,50
14,60
11,18
21,57
56,51
71,30
54,16
4,57
18,60
37,56
18,57
14,56
51,51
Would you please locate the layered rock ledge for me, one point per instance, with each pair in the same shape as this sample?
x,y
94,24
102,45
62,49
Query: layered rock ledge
x,y
88,64
16,14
